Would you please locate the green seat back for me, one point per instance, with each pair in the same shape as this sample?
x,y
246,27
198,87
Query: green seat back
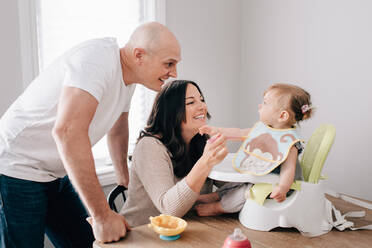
x,y
316,151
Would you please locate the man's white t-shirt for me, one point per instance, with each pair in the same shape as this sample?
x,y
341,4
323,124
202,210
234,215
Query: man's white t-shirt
x,y
27,148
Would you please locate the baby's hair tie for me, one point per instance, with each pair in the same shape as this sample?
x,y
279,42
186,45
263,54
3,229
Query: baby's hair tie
x,y
305,108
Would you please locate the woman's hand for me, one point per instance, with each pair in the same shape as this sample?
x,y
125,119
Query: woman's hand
x,y
215,150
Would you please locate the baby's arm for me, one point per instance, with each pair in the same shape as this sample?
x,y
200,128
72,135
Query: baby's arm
x,y
287,173
229,133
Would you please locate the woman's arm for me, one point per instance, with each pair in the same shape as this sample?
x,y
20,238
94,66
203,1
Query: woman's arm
x,y
153,166
214,153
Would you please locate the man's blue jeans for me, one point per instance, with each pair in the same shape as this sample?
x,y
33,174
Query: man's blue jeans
x,y
29,209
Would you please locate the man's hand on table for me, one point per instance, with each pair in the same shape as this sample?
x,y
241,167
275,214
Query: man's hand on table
x,y
109,228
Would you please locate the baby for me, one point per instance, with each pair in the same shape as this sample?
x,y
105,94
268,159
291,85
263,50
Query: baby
x,y
274,143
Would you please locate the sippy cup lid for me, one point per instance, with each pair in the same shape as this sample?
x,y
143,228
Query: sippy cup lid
x,y
238,235
237,240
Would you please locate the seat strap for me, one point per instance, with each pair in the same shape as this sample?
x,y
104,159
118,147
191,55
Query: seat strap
x,y
341,223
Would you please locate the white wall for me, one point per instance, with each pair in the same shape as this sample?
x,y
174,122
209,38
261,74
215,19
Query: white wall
x,y
10,61
325,47
209,33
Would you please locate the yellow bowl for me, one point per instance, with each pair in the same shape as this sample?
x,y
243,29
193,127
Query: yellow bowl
x,y
167,225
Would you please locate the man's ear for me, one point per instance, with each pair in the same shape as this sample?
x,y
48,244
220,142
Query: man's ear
x,y
138,54
284,116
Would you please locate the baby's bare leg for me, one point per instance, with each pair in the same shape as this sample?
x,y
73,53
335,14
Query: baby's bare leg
x,y
209,209
207,198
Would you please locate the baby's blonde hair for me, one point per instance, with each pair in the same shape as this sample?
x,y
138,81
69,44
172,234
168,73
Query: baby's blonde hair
x,y
295,99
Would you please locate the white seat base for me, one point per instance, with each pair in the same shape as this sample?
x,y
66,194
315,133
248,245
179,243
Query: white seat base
x,y
305,210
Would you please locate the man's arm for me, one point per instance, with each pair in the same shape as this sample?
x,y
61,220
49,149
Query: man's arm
x,y
76,109
117,141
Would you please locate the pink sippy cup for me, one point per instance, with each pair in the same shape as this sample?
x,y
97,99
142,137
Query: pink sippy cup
x,y
237,240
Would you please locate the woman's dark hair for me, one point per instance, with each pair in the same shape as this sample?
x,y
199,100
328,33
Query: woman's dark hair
x,y
164,123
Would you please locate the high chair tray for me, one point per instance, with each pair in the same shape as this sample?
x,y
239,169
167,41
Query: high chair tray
x,y
225,172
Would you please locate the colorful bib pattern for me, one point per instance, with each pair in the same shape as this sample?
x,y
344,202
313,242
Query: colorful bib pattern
x,y
264,149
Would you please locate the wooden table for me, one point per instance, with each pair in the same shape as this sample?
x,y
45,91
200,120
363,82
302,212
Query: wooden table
x,y
211,232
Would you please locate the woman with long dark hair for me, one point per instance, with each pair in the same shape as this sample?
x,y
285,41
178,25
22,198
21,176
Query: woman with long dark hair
x,y
171,161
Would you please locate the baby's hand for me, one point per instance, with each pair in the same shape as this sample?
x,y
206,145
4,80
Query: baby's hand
x,y
207,130
279,194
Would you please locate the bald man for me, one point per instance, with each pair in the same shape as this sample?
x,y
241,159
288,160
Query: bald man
x,y
49,130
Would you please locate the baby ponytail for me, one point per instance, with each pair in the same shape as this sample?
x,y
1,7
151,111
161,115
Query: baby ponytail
x,y
300,104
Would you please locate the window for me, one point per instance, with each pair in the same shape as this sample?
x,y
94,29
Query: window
x,y
50,27
63,24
